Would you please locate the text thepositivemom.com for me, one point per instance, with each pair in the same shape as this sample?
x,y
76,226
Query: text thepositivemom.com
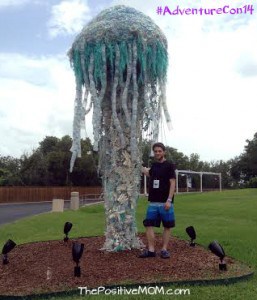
x,y
226,9
148,290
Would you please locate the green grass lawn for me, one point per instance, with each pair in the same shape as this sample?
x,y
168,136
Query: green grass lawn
x,y
229,217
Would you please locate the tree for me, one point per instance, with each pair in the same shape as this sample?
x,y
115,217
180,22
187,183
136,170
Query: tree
x,y
222,167
244,167
85,168
33,168
10,171
49,144
248,160
57,160
180,160
49,164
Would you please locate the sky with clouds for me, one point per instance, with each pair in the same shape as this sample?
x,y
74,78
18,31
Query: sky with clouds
x,y
212,79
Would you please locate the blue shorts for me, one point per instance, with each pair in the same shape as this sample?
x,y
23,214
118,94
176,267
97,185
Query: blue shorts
x,y
157,213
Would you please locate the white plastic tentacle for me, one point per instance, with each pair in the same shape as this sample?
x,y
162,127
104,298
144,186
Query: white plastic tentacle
x,y
86,82
114,95
78,112
124,97
99,116
164,104
133,140
148,108
95,100
87,86
156,122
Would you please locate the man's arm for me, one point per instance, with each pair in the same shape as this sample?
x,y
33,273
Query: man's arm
x,y
172,188
145,171
171,193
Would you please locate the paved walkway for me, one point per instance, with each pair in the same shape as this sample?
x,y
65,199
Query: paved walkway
x,y
12,212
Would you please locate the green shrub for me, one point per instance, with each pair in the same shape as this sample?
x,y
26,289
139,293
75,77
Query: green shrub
x,y
253,182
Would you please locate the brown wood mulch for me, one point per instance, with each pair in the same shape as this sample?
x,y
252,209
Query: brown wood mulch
x,y
46,267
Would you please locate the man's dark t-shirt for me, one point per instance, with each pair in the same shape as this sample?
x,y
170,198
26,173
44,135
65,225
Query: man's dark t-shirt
x,y
159,183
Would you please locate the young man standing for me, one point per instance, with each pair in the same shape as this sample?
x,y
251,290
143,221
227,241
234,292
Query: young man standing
x,y
161,197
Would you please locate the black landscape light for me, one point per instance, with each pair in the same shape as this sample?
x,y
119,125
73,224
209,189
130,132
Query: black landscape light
x,y
66,230
217,249
77,251
8,246
191,232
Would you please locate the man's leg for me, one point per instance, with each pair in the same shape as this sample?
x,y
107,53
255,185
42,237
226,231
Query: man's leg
x,y
168,220
150,238
166,238
152,219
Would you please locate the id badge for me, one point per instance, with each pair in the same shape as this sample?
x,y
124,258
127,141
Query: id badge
x,y
156,184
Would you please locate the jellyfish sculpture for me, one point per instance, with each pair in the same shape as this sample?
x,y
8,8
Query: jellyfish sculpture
x,y
120,63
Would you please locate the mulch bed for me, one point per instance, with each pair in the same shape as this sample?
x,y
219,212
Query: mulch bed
x,y
27,272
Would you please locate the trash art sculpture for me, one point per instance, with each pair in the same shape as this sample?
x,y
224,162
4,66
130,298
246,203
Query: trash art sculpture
x,y
120,63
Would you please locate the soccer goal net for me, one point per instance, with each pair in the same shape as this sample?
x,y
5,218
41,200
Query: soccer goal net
x,y
192,181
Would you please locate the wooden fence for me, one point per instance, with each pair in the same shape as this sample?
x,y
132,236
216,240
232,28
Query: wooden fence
x,y
37,194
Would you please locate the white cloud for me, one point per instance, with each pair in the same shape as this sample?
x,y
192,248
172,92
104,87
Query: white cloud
x,y
68,17
29,111
213,107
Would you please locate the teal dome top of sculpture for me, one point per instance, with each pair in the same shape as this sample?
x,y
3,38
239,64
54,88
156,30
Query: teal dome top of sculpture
x,y
121,25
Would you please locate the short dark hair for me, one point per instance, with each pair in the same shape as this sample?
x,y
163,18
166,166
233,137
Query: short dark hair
x,y
159,145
